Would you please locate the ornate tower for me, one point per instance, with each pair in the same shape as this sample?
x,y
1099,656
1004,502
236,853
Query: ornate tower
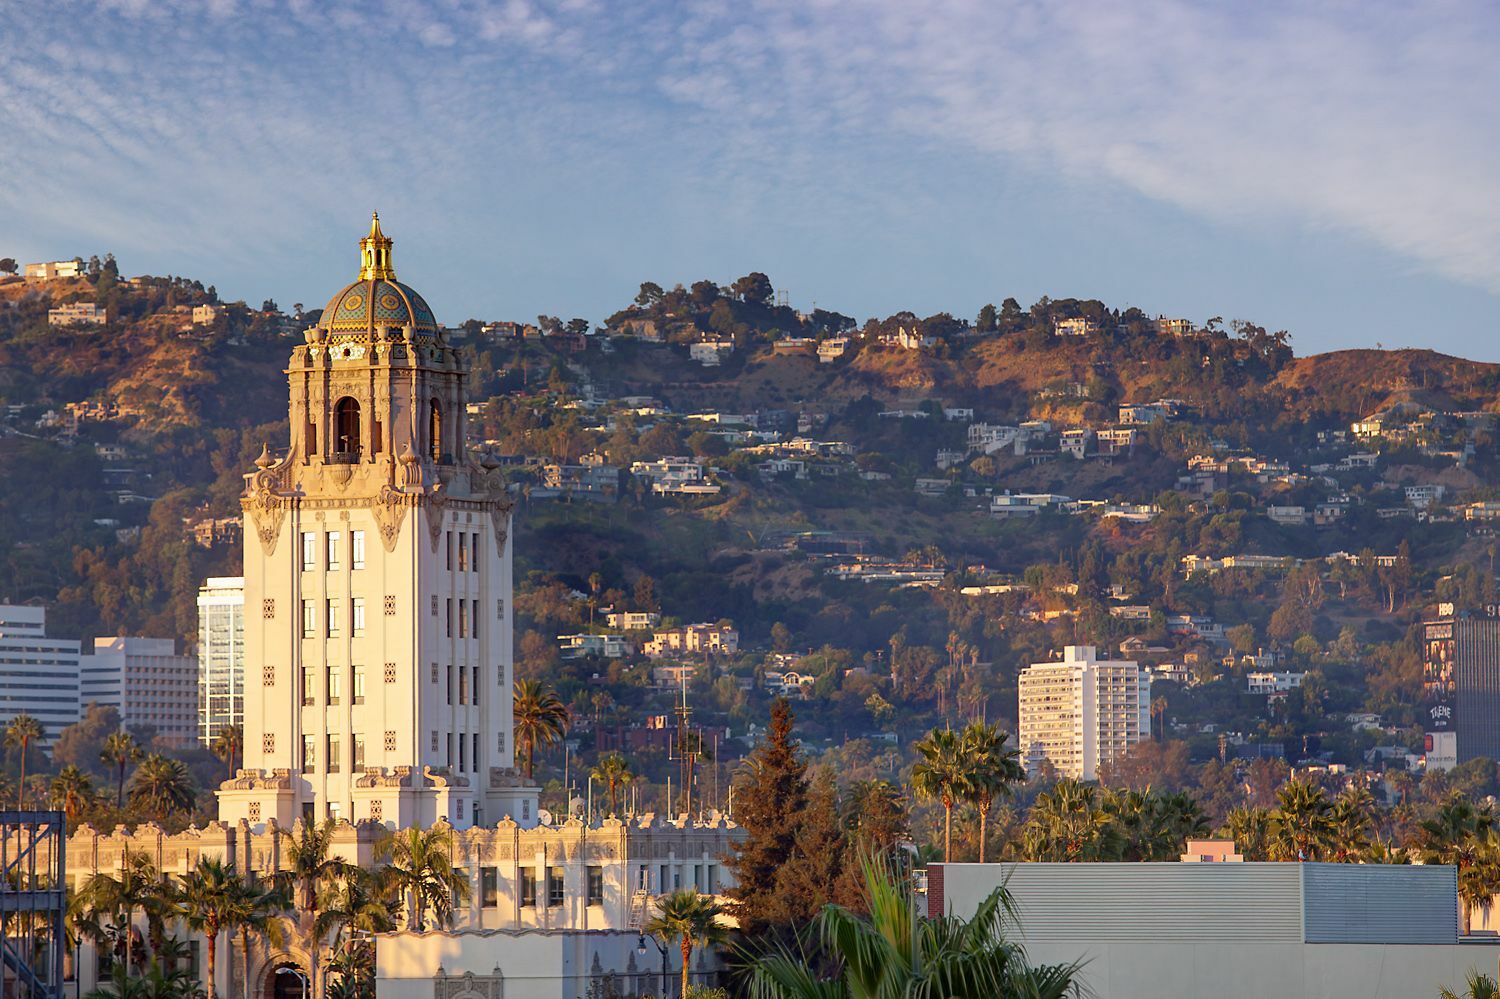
x,y
378,664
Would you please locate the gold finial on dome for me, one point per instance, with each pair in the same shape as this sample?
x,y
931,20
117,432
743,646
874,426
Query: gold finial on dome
x,y
375,254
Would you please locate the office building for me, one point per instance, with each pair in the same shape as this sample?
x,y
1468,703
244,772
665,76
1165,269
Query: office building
x,y
147,682
38,675
221,656
1082,712
1461,686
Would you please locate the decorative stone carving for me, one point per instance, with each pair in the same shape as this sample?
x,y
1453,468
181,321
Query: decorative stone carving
x,y
468,985
389,509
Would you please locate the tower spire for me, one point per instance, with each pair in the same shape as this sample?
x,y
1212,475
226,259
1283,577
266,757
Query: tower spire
x,y
375,253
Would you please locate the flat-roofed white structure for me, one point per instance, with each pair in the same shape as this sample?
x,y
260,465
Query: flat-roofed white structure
x,y
1233,931
1082,712
38,675
147,682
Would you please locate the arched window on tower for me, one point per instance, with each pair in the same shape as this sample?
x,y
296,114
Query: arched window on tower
x,y
346,439
435,431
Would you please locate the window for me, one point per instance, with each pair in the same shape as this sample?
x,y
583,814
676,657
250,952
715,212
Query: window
x,y
335,685
268,676
448,548
475,634
309,620
450,684
474,554
596,886
390,741
357,543
449,614
333,617
346,427
309,753
462,753
463,685
335,542
554,886
489,887
474,690
528,887
357,752
357,607
357,683
390,672
475,739
309,687
268,743
463,618
309,552
333,754
450,750
463,551
268,608
434,741
435,430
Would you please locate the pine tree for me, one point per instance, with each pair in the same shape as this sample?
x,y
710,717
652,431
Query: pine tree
x,y
766,804
810,877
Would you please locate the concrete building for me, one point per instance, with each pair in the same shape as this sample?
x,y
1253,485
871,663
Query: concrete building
x,y
700,639
221,655
377,571
1233,930
78,314
52,269
1461,686
38,675
1082,712
147,682
206,315
603,646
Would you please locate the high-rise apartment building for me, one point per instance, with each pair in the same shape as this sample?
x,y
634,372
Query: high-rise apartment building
x,y
221,656
147,682
38,675
1082,712
377,573
1461,684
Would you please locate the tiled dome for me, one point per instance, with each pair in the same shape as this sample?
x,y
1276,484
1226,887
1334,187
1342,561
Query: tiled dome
x,y
377,301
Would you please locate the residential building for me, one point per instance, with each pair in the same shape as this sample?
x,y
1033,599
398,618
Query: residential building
x,y
704,639
79,314
1142,413
1029,504
38,675
632,620
1290,516
1077,326
590,480
206,315
378,579
53,269
710,353
1076,442
832,349
790,684
1422,497
1272,682
603,646
1114,440
1082,712
212,532
1172,327
795,345
674,475
147,682
221,656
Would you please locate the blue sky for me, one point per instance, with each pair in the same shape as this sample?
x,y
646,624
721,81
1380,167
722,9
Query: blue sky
x,y
1324,168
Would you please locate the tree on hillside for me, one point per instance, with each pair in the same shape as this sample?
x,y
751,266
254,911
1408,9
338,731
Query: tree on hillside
x,y
988,321
650,295
753,289
773,786
7,265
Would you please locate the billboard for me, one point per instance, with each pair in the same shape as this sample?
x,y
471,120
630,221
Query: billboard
x,y
1439,684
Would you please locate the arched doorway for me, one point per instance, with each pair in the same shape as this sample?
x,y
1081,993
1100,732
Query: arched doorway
x,y
346,436
287,981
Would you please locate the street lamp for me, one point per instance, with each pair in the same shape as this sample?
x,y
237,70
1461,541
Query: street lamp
x,y
666,971
300,977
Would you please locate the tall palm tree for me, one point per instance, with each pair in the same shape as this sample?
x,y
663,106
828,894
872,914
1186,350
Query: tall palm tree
x,y
310,868
1250,828
540,717
22,731
897,951
1349,824
228,745
72,790
1301,826
1457,834
614,773
1069,823
162,786
994,767
136,889
120,750
258,910
689,919
209,899
420,868
941,773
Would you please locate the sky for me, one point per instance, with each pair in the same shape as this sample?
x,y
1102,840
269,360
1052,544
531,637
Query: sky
x,y
1324,168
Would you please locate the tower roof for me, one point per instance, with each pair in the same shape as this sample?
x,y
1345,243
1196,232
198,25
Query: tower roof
x,y
376,300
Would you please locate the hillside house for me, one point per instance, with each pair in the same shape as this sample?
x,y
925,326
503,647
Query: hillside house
x,y
51,270
603,646
1273,682
632,620
1077,326
1172,327
700,639
832,349
79,314
710,353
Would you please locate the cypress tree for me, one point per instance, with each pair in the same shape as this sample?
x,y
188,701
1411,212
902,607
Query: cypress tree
x,y
767,806
809,879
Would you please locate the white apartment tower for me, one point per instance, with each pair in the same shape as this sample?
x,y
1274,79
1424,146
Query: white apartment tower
x,y
377,584
1082,712
221,656
147,682
38,675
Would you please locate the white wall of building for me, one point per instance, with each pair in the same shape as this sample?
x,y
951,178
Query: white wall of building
x,y
38,675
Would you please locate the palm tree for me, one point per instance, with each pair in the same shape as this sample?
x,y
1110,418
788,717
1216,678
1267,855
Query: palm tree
x,y
1301,827
162,786
22,731
120,750
137,888
1455,835
259,910
209,898
897,951
1250,828
690,919
1349,824
228,745
941,773
310,868
540,718
614,773
72,790
420,866
1480,987
1069,823
993,768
